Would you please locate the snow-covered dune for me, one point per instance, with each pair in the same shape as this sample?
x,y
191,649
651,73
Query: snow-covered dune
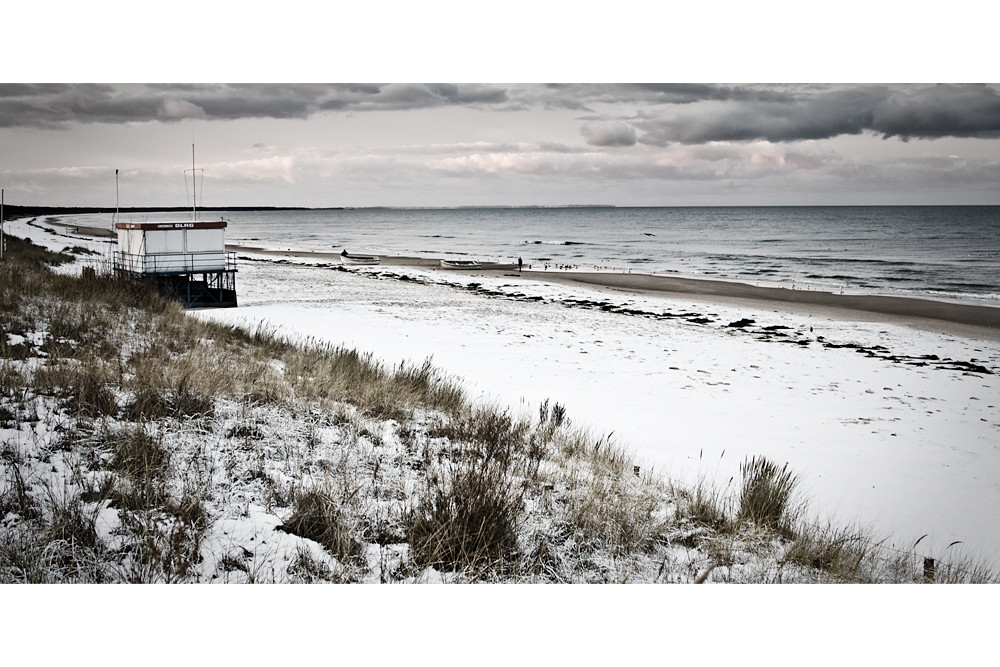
x,y
888,426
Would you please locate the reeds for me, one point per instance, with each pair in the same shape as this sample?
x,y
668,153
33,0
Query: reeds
x,y
766,494
467,516
838,554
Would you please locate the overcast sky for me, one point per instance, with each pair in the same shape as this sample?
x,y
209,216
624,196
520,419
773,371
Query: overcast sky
x,y
440,144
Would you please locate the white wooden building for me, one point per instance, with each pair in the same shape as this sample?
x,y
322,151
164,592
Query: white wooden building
x,y
187,260
171,247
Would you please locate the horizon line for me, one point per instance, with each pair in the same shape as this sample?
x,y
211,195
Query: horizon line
x,y
133,209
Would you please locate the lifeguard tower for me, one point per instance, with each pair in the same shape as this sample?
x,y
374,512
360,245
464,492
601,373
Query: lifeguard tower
x,y
184,260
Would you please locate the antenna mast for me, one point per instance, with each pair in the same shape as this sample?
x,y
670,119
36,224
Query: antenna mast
x,y
116,201
194,186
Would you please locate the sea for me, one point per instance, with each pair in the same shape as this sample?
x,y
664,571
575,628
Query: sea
x,y
942,252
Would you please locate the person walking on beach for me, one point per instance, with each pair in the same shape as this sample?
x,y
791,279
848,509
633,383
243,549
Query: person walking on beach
x,y
520,263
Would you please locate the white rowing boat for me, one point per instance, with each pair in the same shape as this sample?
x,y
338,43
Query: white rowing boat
x,y
468,264
359,259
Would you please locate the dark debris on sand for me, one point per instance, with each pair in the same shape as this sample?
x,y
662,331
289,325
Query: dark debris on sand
x,y
777,333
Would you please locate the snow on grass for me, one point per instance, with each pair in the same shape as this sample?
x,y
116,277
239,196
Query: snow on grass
x,y
904,446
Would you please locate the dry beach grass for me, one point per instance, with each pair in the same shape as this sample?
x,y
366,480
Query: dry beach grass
x,y
144,445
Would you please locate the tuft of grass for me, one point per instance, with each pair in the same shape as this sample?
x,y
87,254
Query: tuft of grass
x,y
164,386
138,453
160,548
623,515
318,515
426,385
153,403
841,554
467,516
487,433
472,504
704,505
766,494
91,395
70,533
15,496
308,569
554,416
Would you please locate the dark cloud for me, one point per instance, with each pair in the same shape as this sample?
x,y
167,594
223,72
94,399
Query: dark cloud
x,y
411,96
616,115
940,111
55,105
586,96
908,112
689,93
51,106
29,89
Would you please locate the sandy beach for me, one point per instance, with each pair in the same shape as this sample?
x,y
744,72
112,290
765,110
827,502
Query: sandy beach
x,y
944,316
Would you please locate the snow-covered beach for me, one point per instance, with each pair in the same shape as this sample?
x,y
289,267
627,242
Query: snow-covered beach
x,y
890,425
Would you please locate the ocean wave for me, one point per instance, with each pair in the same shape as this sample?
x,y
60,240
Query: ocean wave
x,y
988,297
966,287
836,277
861,261
979,258
900,279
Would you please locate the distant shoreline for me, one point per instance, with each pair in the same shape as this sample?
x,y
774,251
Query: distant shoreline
x,y
959,318
15,211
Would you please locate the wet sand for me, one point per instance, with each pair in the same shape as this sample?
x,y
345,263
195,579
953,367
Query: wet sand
x,y
82,230
924,313
945,316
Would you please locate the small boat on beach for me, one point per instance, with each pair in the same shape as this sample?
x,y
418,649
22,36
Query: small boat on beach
x,y
346,258
467,264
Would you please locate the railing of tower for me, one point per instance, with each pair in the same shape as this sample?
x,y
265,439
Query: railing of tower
x,y
167,263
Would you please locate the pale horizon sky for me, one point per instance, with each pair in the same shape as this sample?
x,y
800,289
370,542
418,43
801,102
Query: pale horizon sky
x,y
677,142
